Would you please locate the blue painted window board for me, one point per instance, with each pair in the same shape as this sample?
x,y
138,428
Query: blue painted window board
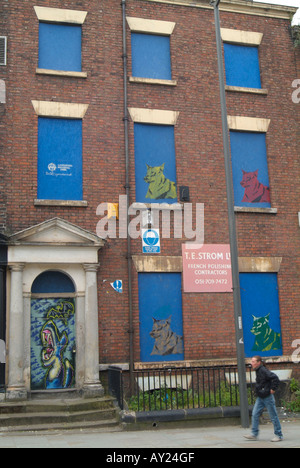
x,y
261,314
151,57
242,66
250,169
161,322
155,148
60,47
59,159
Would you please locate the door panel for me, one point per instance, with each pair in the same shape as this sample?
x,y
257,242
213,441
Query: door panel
x,y
53,343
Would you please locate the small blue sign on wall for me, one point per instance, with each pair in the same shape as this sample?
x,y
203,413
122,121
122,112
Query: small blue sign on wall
x,y
117,286
151,241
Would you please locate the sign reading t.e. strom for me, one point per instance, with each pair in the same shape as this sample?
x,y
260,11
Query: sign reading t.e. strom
x,y
206,268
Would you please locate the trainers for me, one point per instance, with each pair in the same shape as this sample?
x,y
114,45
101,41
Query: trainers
x,y
250,437
277,439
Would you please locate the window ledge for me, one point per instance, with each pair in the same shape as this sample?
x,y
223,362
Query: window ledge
x,y
67,203
66,74
152,81
158,206
240,89
246,209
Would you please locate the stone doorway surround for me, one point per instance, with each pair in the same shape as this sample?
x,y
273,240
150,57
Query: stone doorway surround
x,y
54,245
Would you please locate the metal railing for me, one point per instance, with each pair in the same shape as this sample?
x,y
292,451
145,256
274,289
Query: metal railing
x,y
179,388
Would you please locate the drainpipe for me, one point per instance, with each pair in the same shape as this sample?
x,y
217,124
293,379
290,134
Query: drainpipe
x,y
127,187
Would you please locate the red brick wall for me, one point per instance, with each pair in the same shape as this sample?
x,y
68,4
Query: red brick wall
x,y
208,319
3,76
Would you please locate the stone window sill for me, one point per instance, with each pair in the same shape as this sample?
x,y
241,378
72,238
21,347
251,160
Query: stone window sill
x,y
245,209
152,81
67,203
240,89
66,74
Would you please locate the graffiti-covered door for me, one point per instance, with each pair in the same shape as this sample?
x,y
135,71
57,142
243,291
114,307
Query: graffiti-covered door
x,y
53,343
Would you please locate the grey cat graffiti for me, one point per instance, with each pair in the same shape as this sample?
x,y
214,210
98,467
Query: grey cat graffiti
x,y
166,341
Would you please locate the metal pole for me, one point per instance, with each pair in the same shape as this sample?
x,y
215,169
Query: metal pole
x,y
127,187
232,231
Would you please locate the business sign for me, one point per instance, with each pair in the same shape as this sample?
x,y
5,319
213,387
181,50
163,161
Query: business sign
x,y
151,241
206,268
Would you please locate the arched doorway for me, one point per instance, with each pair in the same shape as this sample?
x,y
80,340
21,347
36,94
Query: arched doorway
x,y
53,332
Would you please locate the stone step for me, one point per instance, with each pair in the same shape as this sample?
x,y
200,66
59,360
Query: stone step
x,y
110,425
58,414
34,406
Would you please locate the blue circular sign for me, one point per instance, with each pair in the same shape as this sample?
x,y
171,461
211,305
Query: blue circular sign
x,y
151,238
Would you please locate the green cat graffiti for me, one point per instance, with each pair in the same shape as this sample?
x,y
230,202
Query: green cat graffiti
x,y
159,186
266,339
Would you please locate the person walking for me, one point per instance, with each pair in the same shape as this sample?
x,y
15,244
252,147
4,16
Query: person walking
x,y
266,385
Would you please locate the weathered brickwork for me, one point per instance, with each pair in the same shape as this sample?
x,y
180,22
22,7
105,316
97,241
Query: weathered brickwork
x,y
207,318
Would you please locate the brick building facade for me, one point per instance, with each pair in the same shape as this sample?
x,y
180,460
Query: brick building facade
x,y
63,153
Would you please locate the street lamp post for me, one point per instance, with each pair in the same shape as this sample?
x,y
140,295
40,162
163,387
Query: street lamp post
x,y
232,230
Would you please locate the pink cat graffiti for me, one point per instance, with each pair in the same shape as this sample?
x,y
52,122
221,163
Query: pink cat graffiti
x,y
255,191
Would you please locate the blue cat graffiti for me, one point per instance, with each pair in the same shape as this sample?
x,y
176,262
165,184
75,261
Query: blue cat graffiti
x,y
52,344
261,314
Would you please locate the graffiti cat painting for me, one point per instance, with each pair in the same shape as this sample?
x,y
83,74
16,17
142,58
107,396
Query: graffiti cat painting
x,y
52,344
266,339
159,186
255,191
166,341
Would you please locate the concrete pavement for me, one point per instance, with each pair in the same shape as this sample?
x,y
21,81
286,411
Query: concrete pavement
x,y
184,438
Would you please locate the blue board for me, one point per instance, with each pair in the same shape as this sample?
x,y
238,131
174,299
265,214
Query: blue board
x,y
250,169
161,328
155,164
59,159
151,56
242,66
60,47
261,314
